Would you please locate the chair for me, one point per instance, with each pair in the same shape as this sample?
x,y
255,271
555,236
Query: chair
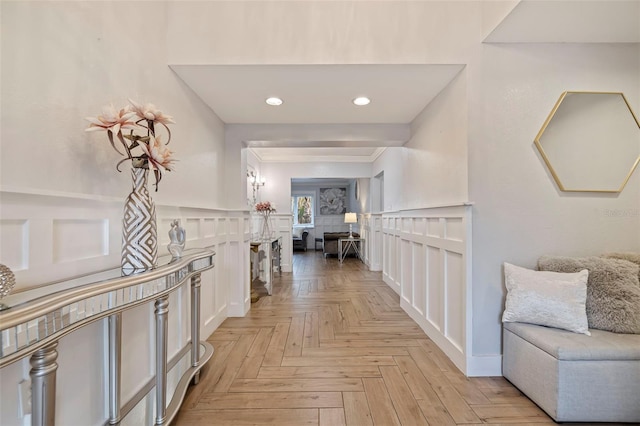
x,y
300,242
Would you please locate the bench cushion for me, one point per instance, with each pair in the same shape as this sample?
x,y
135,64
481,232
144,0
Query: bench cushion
x,y
568,346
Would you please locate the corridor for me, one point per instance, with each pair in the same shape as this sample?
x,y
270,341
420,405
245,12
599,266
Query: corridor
x,y
332,347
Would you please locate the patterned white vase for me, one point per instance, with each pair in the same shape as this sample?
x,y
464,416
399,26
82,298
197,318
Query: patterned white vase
x,y
139,230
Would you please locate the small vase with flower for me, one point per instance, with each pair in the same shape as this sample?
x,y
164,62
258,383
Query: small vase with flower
x,y
265,209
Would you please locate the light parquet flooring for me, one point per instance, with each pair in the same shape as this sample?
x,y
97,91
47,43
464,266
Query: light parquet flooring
x,y
331,346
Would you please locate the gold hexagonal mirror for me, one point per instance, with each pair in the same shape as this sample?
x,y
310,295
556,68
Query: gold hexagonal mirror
x,y
590,142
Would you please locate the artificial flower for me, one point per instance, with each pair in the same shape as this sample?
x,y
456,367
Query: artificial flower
x,y
141,118
158,154
265,207
151,113
112,120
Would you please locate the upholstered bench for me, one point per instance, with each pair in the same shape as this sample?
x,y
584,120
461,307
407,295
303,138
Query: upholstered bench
x,y
572,376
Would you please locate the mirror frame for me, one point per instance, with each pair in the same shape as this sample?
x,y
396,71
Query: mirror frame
x,y
548,162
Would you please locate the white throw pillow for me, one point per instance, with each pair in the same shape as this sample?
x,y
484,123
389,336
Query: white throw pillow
x,y
297,232
552,299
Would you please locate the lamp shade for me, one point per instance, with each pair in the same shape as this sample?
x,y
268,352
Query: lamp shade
x,y
350,218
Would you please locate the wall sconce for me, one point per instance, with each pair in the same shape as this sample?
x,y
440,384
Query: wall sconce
x,y
350,218
255,184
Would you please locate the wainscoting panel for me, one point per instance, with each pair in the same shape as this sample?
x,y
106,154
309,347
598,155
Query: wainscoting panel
x,y
67,247
192,226
14,245
427,259
284,229
209,227
52,237
435,293
454,299
418,277
406,270
371,231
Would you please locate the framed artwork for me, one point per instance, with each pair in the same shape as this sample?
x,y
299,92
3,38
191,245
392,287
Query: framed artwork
x,y
333,201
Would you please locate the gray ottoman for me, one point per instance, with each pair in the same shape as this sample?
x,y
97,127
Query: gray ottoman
x,y
575,377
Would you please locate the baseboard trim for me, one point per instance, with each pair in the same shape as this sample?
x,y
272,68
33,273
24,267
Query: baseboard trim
x,y
388,281
446,346
484,365
471,366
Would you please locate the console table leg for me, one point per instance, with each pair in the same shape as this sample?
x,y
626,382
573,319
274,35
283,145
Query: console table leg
x,y
195,324
115,343
161,312
43,385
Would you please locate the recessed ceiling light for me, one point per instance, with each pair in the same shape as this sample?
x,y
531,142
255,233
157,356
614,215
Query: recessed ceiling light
x,y
361,101
273,101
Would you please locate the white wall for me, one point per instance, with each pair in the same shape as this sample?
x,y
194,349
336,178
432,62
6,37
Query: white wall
x,y
519,214
61,62
314,189
363,195
431,168
390,162
345,32
434,161
325,223
279,175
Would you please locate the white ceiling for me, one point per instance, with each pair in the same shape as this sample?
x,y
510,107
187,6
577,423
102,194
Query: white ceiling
x,y
317,94
570,21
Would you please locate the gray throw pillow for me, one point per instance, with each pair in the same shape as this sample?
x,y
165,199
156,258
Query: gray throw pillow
x,y
631,257
613,290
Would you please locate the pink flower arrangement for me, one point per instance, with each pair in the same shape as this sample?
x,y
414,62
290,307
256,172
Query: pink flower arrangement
x,y
265,207
142,118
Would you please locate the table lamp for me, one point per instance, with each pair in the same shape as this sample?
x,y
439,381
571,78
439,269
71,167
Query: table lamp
x,y
350,218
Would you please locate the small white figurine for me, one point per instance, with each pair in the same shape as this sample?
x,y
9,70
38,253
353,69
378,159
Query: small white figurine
x,y
7,282
178,236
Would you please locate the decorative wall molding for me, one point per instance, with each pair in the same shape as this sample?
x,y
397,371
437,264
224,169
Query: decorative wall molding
x,y
427,261
371,231
47,237
51,237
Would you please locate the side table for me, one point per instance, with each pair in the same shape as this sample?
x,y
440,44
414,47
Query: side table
x,y
344,244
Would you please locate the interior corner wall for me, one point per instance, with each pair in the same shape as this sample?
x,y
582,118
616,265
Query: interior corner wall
x,y
519,214
390,163
434,160
63,61
363,195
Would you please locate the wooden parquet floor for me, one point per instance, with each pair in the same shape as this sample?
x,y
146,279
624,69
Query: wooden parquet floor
x,y
332,347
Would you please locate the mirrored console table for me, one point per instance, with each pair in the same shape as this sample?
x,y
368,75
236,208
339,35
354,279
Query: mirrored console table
x,y
37,319
267,253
